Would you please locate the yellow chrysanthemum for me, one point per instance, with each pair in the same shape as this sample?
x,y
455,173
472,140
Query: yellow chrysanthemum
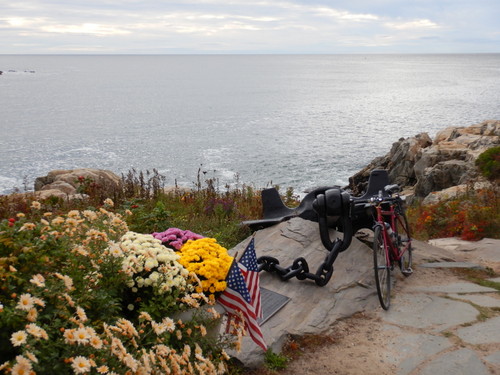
x,y
209,261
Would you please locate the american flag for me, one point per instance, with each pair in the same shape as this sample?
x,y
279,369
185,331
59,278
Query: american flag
x,y
250,270
236,298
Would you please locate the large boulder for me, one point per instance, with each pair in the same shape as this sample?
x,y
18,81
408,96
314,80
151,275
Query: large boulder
x,y
71,183
399,162
311,309
427,166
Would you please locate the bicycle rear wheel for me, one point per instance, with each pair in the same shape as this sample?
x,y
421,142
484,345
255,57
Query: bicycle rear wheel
x,y
404,244
382,269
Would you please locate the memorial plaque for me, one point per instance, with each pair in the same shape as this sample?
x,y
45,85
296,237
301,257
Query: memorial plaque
x,y
272,302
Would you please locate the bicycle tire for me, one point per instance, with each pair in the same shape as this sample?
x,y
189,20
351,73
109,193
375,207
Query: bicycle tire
x,y
382,268
404,238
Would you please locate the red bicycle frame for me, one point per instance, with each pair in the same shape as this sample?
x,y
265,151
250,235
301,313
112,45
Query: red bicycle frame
x,y
391,242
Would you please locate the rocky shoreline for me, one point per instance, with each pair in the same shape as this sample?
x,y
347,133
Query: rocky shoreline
x,y
431,169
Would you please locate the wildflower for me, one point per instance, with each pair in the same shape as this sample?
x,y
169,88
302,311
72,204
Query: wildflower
x,y
82,336
198,353
32,315
90,215
127,327
72,222
22,366
130,362
115,250
80,365
39,301
12,268
81,314
145,315
36,331
25,302
81,250
38,280
159,328
18,338
68,281
20,215
74,214
103,369
69,336
58,220
68,299
31,357
169,324
96,342
36,205
203,330
109,202
27,226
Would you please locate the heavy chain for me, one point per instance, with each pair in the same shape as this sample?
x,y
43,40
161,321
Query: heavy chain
x,y
300,268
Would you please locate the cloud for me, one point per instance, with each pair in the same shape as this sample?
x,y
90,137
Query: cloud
x,y
412,25
86,28
296,26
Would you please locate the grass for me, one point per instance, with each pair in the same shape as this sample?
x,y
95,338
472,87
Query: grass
x,y
479,276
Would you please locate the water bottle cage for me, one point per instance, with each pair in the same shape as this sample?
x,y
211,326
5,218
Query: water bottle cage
x,y
332,204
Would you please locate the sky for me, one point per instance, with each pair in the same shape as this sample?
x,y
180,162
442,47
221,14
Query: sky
x,y
248,26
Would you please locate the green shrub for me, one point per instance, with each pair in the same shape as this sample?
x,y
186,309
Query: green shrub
x,y
489,163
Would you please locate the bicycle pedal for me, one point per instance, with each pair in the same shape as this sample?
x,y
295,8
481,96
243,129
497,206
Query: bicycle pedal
x,y
407,272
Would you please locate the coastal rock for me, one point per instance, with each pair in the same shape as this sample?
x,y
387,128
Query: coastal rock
x,y
65,183
399,162
425,166
455,191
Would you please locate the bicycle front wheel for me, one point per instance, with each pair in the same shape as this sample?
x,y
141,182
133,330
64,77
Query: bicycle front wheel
x,y
382,269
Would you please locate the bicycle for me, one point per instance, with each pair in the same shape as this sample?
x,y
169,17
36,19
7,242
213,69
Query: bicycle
x,y
391,240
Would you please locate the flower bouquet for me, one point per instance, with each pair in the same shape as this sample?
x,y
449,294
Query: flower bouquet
x,y
209,261
175,237
158,283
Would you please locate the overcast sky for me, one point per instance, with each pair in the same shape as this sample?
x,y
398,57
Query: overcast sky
x,y
249,26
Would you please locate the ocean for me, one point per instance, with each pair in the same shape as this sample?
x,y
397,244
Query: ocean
x,y
296,121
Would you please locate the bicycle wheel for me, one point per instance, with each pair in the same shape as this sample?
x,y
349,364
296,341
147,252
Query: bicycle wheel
x,y
382,269
404,244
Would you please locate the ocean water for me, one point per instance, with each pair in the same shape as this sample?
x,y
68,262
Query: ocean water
x,y
294,120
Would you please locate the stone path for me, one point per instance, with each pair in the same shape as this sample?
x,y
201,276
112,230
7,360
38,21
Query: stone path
x,y
452,327
439,322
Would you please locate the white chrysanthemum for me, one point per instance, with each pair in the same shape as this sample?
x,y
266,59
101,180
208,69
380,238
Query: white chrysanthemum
x,y
150,263
18,338
81,365
25,302
154,277
38,280
81,336
22,366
